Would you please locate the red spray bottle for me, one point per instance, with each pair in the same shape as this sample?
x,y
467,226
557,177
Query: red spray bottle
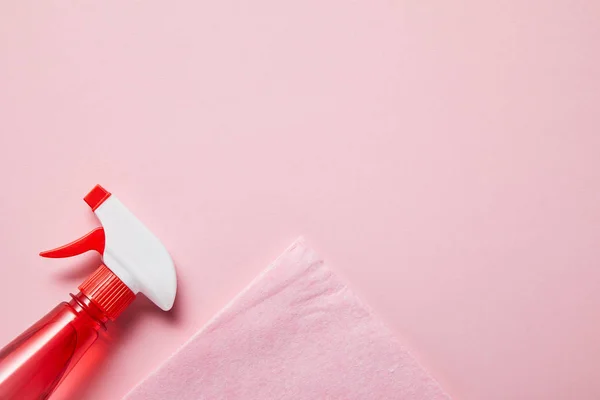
x,y
133,261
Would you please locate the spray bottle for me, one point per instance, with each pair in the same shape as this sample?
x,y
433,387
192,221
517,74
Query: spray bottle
x,y
133,261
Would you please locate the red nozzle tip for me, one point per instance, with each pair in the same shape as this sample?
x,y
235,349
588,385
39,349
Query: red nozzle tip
x,y
96,197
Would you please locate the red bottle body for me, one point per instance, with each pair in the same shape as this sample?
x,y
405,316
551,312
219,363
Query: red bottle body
x,y
33,364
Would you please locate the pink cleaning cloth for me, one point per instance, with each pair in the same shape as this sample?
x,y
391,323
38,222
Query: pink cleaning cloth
x,y
297,332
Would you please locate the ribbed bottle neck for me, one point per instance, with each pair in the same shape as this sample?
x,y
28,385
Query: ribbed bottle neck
x,y
107,292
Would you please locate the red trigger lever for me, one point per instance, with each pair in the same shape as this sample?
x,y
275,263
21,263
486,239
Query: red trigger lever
x,y
94,240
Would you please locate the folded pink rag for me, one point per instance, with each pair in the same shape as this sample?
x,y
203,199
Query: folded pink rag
x,y
296,332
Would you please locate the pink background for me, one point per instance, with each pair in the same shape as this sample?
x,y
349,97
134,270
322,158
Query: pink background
x,y
453,147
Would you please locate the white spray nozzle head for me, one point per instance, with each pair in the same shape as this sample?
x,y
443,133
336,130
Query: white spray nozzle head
x,y
134,254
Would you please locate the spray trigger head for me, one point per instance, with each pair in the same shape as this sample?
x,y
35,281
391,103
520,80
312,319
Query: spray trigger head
x,y
128,249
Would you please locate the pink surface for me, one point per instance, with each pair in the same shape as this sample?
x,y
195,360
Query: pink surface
x,y
451,147
297,333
